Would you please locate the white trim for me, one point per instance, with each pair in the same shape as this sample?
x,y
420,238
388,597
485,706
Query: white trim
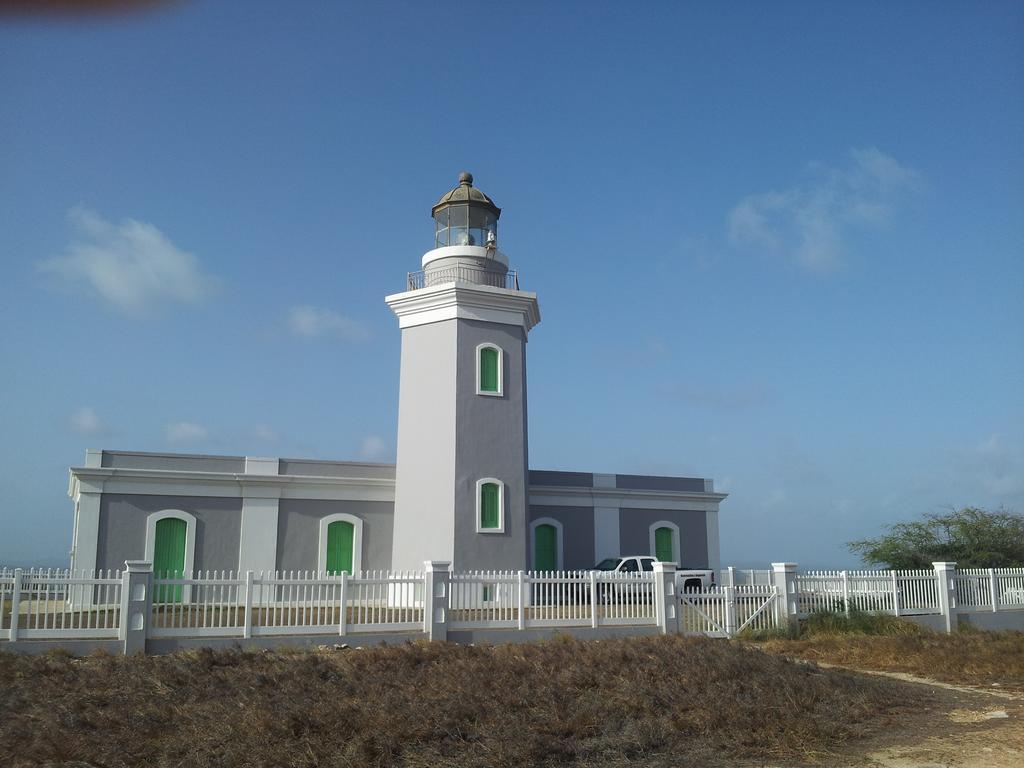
x,y
675,539
175,482
560,542
357,541
470,251
190,543
501,369
501,505
462,300
606,533
257,540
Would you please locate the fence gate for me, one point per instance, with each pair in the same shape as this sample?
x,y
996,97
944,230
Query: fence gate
x,y
727,611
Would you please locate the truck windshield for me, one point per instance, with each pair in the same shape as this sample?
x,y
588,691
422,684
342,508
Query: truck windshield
x,y
608,564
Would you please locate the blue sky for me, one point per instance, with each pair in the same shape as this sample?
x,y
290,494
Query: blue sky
x,y
775,244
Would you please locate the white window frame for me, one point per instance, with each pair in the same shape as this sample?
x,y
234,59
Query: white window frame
x,y
560,539
676,549
501,369
190,544
357,541
501,505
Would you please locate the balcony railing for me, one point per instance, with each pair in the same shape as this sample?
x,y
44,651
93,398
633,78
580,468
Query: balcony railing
x,y
474,275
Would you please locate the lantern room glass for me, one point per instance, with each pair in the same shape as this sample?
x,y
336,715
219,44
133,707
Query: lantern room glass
x,y
464,225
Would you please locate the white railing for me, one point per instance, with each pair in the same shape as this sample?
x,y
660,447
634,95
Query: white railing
x,y
990,588
226,604
727,611
743,576
896,592
59,604
524,600
50,603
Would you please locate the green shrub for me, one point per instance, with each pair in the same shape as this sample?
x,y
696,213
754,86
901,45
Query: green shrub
x,y
858,622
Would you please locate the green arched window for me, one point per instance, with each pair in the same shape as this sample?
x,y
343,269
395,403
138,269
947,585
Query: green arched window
x,y
490,506
545,548
340,537
489,370
663,549
169,556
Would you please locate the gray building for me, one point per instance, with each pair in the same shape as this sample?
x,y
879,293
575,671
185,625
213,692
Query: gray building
x,y
461,489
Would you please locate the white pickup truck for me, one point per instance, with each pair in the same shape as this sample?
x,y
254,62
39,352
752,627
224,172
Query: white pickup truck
x,y
686,578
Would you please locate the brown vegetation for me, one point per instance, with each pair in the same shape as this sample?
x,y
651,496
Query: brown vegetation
x,y
664,701
964,658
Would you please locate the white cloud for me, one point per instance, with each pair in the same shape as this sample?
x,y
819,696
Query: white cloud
x,y
185,432
264,433
313,321
85,421
131,265
812,221
373,447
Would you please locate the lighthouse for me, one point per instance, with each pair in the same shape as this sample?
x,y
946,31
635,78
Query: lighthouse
x,y
461,481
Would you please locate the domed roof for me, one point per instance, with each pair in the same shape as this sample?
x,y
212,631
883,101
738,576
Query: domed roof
x,y
466,193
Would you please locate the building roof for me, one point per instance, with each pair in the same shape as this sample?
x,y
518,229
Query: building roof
x,y
466,193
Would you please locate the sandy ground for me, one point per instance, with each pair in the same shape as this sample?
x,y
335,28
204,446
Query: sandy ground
x,y
969,728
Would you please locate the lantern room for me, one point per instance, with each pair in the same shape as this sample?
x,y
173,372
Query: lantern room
x,y
465,216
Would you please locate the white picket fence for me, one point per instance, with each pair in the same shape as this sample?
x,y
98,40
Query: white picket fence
x,y
727,611
39,603
52,604
59,604
910,592
525,600
901,593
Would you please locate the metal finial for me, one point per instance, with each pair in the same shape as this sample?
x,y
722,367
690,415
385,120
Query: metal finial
x,y
466,178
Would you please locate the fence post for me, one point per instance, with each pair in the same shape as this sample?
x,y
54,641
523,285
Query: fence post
x,y
787,596
343,604
593,599
521,600
665,599
992,589
15,604
730,577
136,605
945,582
247,603
895,594
436,591
730,611
846,594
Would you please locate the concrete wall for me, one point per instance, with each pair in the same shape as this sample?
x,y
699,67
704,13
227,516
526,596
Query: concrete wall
x,y
550,477
298,532
658,483
635,533
424,492
577,533
312,468
122,529
491,442
175,461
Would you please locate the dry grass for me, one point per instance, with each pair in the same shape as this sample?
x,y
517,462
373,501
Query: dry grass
x,y
663,701
965,658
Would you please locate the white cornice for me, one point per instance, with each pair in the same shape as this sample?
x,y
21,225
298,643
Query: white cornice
x,y
176,482
618,497
467,301
171,482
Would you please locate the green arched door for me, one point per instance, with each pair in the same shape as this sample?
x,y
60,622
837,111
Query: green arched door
x,y
663,545
169,555
545,548
340,535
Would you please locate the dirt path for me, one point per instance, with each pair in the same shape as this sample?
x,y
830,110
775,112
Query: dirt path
x,y
971,728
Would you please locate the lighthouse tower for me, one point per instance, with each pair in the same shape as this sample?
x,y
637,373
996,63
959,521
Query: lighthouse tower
x,y
461,474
